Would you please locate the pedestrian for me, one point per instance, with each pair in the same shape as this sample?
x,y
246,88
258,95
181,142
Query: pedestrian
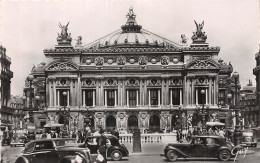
x,y
102,145
117,133
48,135
73,134
113,131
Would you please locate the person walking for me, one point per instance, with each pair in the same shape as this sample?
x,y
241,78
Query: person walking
x,y
102,145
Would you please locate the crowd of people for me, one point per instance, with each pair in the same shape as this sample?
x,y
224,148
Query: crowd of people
x,y
185,135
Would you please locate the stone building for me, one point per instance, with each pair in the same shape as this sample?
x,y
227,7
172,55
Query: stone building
x,y
129,79
5,88
18,116
256,72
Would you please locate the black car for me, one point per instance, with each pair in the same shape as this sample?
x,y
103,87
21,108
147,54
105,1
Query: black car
x,y
57,150
200,146
115,150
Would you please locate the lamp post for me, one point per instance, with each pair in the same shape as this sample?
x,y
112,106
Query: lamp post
x,y
30,79
180,119
237,132
65,113
243,110
202,112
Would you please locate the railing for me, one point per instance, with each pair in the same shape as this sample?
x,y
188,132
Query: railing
x,y
150,138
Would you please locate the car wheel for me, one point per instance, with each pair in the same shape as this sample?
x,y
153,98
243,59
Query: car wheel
x,y
116,155
224,155
171,155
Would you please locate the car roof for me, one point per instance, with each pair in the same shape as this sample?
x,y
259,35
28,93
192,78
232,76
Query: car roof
x,y
53,139
208,135
98,136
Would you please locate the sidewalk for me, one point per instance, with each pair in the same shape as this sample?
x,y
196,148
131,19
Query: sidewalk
x,y
157,149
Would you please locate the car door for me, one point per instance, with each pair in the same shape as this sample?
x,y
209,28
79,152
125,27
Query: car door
x,y
28,153
92,144
44,152
212,146
197,147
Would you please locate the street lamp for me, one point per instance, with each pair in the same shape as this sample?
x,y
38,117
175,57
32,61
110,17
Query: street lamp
x,y
243,110
30,79
65,113
237,132
203,114
180,119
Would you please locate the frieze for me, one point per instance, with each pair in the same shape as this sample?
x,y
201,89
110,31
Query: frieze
x,y
202,64
143,61
165,60
99,61
201,57
121,60
62,66
202,81
110,82
154,82
109,60
63,82
132,82
88,83
175,81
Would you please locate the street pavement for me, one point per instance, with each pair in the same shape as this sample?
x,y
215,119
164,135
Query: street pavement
x,y
150,154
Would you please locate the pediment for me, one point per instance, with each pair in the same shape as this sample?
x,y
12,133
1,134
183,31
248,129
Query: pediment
x,y
202,64
62,66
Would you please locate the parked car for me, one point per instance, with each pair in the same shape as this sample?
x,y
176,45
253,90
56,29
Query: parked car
x,y
115,150
249,138
56,150
18,139
200,146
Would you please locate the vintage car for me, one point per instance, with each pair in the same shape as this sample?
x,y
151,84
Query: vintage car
x,y
249,138
212,146
115,150
18,139
56,150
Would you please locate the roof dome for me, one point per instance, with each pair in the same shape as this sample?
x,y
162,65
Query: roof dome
x,y
131,35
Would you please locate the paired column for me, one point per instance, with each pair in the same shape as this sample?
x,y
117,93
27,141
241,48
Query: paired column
x,y
54,92
105,98
58,104
137,98
180,96
68,98
84,98
94,98
149,96
159,97
170,97
197,96
115,98
127,97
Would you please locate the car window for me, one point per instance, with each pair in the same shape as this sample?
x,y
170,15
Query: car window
x,y
198,140
30,148
92,141
43,145
211,141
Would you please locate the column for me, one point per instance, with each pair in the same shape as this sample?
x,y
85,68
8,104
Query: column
x,y
193,91
214,92
58,104
115,98
159,97
127,97
50,94
54,92
196,96
105,98
94,98
180,97
187,91
84,98
171,97
149,95
210,91
137,98
68,98
206,96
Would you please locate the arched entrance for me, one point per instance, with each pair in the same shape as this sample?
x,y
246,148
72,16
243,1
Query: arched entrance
x,y
154,123
132,123
110,123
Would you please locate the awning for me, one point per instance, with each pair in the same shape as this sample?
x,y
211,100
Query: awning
x,y
53,125
215,124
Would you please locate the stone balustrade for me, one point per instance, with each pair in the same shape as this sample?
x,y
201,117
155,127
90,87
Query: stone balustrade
x,y
150,138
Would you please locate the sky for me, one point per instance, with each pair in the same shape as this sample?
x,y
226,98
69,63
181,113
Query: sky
x,y
27,27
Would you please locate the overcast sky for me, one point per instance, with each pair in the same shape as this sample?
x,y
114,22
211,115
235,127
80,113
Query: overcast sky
x,y
29,27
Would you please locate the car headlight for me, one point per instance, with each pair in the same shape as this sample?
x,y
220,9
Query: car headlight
x,y
78,159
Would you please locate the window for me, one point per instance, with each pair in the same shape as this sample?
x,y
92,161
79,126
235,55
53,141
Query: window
x,y
199,140
110,97
154,96
132,97
176,96
89,97
43,145
63,99
211,141
30,148
201,97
